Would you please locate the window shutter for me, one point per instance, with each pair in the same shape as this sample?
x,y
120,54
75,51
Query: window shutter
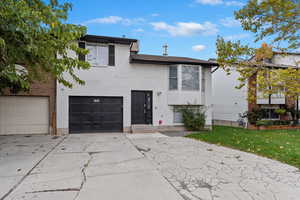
x,y
81,57
111,55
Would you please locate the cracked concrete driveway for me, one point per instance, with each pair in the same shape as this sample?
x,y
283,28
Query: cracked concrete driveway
x,y
137,167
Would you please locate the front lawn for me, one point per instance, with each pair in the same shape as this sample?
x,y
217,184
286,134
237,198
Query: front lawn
x,y
282,145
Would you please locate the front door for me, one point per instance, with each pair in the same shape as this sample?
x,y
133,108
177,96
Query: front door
x,y
141,107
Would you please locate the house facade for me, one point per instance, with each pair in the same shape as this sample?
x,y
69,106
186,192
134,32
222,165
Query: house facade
x,y
125,90
230,103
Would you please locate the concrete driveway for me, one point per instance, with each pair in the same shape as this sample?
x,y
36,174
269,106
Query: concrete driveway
x,y
137,167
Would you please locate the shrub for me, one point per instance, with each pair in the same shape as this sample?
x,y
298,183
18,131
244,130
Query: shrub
x,y
280,111
254,115
272,122
193,119
264,123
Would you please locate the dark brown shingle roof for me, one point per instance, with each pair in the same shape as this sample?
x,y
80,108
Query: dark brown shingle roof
x,y
106,39
154,59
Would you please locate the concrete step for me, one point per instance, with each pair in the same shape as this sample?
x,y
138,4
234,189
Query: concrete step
x,y
143,128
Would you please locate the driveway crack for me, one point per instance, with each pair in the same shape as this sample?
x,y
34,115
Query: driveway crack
x,y
83,174
56,190
29,172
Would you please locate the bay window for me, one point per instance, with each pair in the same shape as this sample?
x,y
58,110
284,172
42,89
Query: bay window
x,y
190,78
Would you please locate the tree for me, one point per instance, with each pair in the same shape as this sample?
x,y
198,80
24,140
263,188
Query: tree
x,y
34,41
279,22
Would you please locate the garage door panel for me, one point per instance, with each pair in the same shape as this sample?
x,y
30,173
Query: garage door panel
x,y
95,114
111,108
112,117
108,100
24,115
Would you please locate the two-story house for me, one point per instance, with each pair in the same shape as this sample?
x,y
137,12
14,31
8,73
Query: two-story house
x,y
230,103
125,90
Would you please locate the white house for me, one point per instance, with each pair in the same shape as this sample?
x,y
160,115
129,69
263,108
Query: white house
x,y
229,102
124,89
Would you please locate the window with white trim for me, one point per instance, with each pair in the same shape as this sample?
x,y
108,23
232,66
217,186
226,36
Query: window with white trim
x,y
190,77
173,78
203,80
177,114
269,112
98,54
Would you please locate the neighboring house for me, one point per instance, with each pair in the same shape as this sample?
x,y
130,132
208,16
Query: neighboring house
x,y
31,112
229,103
127,91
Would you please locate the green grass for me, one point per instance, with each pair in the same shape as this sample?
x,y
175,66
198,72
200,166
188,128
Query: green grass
x,y
281,145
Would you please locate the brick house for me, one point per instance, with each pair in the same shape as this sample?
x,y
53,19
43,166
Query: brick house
x,y
269,104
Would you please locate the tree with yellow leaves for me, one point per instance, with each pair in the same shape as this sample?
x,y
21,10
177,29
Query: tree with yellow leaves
x,y
276,19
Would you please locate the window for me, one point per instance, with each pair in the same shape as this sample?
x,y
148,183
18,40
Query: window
x,y
190,78
202,80
173,80
269,113
177,115
99,54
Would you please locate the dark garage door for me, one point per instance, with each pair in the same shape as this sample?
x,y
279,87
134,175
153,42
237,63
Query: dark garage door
x,y
95,114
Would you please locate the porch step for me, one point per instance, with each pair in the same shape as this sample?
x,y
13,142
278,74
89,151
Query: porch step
x,y
143,128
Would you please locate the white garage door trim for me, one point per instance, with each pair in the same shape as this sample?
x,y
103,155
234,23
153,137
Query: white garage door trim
x,y
24,115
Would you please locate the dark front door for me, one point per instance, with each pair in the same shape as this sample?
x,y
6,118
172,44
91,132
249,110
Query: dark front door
x,y
95,114
141,107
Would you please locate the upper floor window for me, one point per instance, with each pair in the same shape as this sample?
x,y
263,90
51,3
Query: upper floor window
x,y
99,54
173,78
190,78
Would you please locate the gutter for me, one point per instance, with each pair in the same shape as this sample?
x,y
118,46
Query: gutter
x,y
213,71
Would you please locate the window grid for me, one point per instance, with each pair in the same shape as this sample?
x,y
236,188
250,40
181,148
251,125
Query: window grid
x,y
98,55
190,78
173,78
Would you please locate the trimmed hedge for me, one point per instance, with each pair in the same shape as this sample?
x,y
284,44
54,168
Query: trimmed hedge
x,y
272,122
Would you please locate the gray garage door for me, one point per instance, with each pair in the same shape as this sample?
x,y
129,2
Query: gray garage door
x,y
24,115
95,114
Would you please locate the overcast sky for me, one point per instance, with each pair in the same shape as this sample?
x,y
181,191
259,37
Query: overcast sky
x,y
189,27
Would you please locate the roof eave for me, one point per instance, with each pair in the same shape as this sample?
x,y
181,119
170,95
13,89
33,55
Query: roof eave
x,y
137,61
105,39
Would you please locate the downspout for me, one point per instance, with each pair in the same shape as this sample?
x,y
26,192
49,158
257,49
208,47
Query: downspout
x,y
214,70
297,110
